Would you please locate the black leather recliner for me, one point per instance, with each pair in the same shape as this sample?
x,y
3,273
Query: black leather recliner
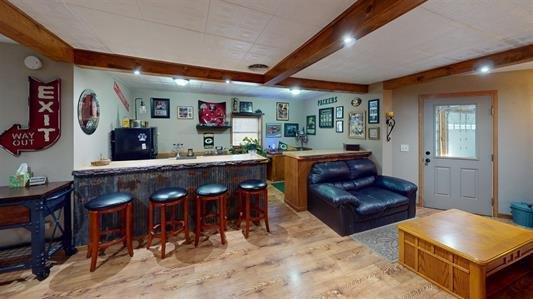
x,y
350,197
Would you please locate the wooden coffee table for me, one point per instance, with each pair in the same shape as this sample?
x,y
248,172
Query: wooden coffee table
x,y
469,256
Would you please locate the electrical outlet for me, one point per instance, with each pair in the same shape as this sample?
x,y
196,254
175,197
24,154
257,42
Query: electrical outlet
x,y
404,148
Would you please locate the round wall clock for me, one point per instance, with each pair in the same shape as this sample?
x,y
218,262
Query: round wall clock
x,y
356,102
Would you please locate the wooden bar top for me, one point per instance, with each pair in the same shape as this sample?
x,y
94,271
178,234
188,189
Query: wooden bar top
x,y
476,238
314,154
118,167
7,193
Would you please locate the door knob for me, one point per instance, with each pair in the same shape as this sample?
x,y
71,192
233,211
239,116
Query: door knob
x,y
426,162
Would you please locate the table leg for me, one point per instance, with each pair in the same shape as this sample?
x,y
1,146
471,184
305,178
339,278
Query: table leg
x,y
68,245
38,254
478,278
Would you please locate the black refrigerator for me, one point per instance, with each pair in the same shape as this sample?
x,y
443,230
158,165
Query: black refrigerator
x,y
133,144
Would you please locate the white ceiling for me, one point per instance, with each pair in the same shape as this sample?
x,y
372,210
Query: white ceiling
x,y
229,34
437,33
234,89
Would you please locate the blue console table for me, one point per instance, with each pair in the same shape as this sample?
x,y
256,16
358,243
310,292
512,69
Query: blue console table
x,y
28,208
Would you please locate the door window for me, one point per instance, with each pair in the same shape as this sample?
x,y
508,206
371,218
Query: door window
x,y
455,131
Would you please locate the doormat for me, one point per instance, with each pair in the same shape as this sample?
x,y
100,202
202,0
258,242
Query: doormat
x,y
280,186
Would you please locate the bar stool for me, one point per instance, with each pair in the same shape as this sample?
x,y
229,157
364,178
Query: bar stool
x,y
117,202
168,198
210,193
247,190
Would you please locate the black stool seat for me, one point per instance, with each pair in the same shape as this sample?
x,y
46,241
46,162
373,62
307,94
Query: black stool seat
x,y
211,190
108,200
168,194
253,185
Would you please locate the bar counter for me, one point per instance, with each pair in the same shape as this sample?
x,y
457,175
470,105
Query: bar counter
x,y
143,177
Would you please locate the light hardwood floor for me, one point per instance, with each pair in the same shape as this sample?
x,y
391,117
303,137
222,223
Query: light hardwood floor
x,y
301,258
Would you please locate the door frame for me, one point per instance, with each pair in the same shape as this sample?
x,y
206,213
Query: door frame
x,y
493,94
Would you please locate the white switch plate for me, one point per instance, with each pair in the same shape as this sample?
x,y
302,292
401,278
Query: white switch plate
x,y
404,148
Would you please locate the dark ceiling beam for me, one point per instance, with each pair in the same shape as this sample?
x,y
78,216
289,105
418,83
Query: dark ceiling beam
x,y
20,27
154,67
360,19
320,85
124,63
505,58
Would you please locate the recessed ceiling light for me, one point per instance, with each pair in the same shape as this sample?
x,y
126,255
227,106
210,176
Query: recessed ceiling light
x,y
181,82
228,81
348,40
484,69
137,72
295,91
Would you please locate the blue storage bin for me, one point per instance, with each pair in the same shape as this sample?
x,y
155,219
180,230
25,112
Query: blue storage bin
x,y
522,213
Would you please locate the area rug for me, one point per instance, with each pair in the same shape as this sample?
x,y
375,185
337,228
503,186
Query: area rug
x,y
382,240
280,186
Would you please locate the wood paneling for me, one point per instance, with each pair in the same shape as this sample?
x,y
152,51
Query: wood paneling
x,y
360,19
509,57
276,168
19,27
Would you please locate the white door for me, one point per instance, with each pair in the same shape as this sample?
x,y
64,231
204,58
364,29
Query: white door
x,y
458,153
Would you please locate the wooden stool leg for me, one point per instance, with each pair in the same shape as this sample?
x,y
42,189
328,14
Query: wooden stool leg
x,y
222,218
163,230
186,219
198,221
265,198
94,222
129,228
89,244
150,224
124,218
247,216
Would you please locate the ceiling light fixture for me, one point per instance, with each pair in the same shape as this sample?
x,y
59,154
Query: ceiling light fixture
x,y
181,82
484,69
228,81
137,72
295,91
348,40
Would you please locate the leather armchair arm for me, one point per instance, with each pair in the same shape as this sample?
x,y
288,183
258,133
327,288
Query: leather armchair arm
x,y
332,195
395,185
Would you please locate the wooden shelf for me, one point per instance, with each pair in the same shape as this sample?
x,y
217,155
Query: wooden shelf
x,y
212,128
247,114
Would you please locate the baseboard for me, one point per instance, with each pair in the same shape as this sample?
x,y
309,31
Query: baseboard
x,y
505,216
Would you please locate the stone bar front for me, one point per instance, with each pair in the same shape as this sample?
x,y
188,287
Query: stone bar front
x,y
142,178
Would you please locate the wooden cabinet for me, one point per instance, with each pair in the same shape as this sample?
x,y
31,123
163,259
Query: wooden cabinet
x,y
276,167
297,167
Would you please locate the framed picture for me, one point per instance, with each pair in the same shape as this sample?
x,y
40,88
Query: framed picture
x,y
282,111
246,107
290,129
160,108
339,126
325,117
185,112
356,125
339,112
373,111
273,131
373,133
310,125
211,114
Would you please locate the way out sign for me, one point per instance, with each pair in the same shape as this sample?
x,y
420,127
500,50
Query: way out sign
x,y
44,128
